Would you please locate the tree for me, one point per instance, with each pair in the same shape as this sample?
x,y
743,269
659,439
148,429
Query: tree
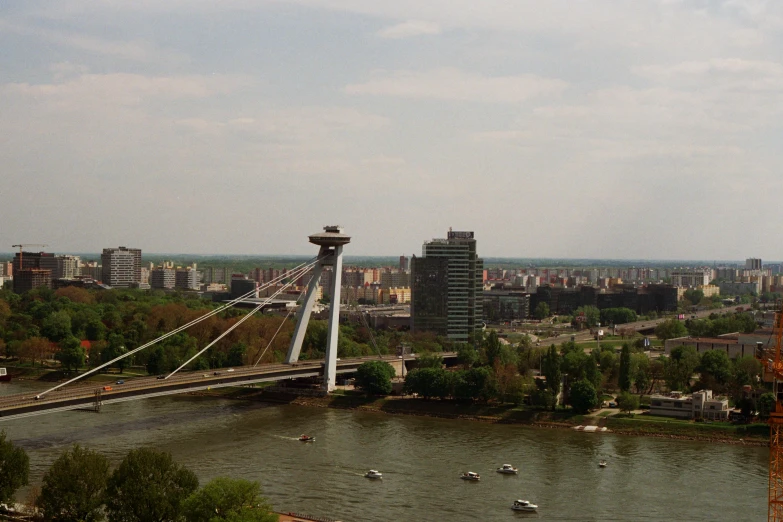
x,y
236,354
71,354
34,349
374,377
628,402
582,396
57,326
624,380
475,384
73,488
467,355
542,311
766,405
640,365
679,367
591,314
148,486
694,295
716,370
670,329
427,382
550,367
228,499
429,360
617,316
14,468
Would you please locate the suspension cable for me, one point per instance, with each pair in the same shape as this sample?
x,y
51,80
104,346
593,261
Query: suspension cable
x,y
278,330
269,299
217,310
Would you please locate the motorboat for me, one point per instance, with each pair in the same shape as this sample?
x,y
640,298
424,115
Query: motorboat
x,y
523,505
306,438
508,469
469,475
4,377
602,464
373,474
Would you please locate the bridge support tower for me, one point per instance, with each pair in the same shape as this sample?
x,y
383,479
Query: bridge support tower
x,y
331,242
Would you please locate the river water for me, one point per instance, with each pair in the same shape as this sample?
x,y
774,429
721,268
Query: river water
x,y
647,479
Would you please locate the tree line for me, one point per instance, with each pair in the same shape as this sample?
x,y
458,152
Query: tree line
x,y
146,486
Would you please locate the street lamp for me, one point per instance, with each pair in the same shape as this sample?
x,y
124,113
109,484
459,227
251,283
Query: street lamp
x,y
598,338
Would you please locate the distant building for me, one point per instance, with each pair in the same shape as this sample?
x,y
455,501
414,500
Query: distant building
x,y
241,285
162,278
700,405
395,279
33,270
446,287
67,267
121,267
187,279
506,305
752,263
737,288
404,263
691,277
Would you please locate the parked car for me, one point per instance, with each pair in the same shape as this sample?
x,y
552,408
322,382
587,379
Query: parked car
x,y
612,404
120,382
230,370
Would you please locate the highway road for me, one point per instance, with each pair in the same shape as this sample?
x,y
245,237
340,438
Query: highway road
x,y
638,326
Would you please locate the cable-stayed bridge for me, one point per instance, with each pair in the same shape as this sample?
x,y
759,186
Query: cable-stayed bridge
x,y
76,393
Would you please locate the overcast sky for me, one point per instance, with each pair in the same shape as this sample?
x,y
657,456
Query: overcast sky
x,y
603,128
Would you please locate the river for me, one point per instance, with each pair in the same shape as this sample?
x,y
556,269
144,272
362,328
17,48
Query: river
x,y
646,479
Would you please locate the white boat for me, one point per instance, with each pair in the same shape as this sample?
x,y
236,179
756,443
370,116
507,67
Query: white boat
x,y
508,469
602,464
469,475
373,474
523,505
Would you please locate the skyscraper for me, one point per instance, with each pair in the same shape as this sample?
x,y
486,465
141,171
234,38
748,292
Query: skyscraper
x,y
121,266
446,287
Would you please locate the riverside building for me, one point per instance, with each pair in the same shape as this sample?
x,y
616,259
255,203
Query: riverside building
x,y
446,287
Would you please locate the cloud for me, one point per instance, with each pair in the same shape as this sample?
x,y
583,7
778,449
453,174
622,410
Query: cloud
x,y
410,28
455,85
138,50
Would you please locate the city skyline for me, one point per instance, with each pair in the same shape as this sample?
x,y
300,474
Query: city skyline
x,y
600,129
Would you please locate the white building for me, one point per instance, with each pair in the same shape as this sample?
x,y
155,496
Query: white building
x,y
700,405
691,277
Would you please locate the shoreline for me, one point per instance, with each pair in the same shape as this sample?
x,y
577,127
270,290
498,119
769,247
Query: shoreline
x,y
492,415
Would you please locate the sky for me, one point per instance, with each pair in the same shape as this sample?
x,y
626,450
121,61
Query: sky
x,y
559,128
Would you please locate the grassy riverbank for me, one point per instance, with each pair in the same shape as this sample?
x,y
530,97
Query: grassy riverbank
x,y
640,425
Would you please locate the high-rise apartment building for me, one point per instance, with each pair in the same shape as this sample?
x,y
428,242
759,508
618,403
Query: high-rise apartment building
x,y
752,263
67,267
446,287
186,279
162,278
404,263
121,266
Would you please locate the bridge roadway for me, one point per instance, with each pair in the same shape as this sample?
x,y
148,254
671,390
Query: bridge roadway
x,y
83,396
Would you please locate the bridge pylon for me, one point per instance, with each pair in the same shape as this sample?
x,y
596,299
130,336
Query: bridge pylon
x,y
331,242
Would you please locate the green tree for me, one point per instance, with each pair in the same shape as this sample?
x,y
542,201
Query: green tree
x,y
543,398
236,354
427,382
14,468
624,380
148,486
542,311
694,295
591,314
550,367
617,316
582,396
429,360
228,499
475,384
716,370
679,367
766,405
641,372
71,354
628,402
374,377
670,329
467,355
73,488
56,326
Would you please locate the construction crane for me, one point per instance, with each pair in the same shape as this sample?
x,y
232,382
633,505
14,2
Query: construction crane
x,y
773,363
21,265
